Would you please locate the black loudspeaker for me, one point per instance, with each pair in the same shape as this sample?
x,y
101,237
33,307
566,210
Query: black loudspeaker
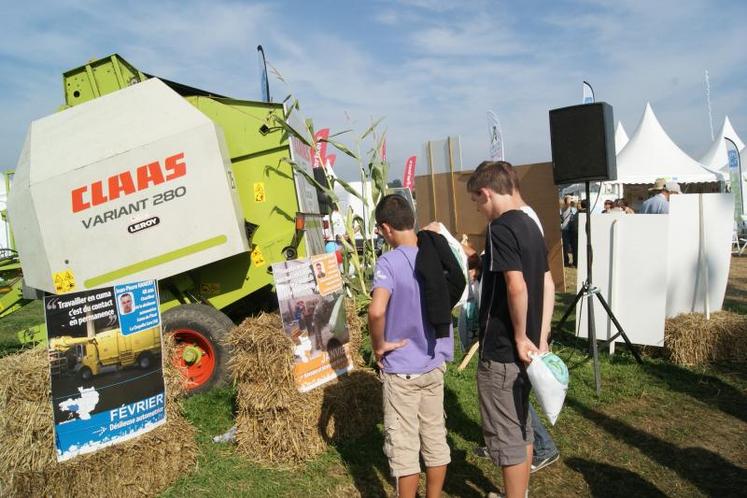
x,y
583,143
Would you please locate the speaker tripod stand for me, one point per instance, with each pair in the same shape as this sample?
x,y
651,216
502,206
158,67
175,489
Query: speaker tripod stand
x,y
589,291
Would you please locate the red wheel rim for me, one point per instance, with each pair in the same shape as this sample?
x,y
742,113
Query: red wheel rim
x,y
201,371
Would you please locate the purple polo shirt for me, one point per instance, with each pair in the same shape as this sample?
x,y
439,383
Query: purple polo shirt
x,y
405,317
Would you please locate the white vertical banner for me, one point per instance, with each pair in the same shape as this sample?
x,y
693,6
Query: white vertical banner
x,y
497,152
735,178
587,93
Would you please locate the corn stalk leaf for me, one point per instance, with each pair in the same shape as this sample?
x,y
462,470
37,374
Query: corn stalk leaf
x,y
349,188
371,128
341,133
290,130
341,147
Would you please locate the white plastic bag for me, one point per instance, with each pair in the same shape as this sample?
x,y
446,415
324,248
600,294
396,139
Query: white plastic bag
x,y
549,377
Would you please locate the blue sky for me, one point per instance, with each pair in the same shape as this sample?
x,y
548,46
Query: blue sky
x,y
432,68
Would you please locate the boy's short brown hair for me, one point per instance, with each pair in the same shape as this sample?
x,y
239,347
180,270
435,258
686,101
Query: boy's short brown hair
x,y
498,176
395,211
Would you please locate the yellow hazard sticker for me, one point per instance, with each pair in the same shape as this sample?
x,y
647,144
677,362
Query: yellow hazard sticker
x,y
64,281
257,258
259,192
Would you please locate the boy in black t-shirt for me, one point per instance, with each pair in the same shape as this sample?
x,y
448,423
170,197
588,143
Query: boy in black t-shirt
x,y
516,307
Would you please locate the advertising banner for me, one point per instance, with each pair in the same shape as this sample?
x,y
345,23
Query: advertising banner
x,y
105,365
408,180
735,181
587,93
496,137
312,307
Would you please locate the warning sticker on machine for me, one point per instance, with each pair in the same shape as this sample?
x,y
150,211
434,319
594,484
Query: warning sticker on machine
x,y
64,281
257,258
259,192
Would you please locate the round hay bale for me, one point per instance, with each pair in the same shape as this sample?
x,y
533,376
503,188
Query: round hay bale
x,y
690,339
28,465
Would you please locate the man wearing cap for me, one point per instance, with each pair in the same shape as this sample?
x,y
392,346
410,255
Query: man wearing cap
x,y
659,203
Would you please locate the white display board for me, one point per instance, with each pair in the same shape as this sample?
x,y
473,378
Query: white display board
x,y
629,268
136,184
698,262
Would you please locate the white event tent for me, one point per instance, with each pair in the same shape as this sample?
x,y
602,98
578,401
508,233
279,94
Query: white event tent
x,y
716,157
651,154
621,138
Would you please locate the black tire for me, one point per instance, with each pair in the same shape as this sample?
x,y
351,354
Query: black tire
x,y
213,326
85,373
145,359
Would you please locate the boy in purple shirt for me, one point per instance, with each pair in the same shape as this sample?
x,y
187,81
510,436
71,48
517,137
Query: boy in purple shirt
x,y
411,358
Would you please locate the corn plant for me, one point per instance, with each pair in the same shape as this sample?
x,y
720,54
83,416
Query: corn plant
x,y
357,268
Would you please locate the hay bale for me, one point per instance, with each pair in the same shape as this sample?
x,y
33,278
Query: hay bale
x,y
276,424
690,339
355,327
174,376
351,406
28,465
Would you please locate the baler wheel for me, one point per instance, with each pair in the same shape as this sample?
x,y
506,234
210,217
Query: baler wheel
x,y
199,331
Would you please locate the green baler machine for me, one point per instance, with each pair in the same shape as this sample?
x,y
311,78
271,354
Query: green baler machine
x,y
279,221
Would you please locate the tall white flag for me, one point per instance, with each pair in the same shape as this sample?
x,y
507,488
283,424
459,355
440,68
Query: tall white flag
x,y
497,152
588,93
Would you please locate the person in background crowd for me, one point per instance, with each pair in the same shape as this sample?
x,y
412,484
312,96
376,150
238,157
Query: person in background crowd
x,y
567,216
574,231
659,203
622,205
608,205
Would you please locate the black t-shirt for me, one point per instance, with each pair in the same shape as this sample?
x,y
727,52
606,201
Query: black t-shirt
x,y
513,242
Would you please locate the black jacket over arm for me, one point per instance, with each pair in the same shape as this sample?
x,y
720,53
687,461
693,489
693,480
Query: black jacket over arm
x,y
442,280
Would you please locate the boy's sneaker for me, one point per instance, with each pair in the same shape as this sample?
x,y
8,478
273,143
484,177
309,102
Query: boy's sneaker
x,y
541,463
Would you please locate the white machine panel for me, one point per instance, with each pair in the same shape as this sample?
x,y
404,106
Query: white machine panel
x,y
133,185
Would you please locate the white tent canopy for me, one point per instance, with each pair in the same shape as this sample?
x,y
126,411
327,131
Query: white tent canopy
x,y
621,138
651,154
716,157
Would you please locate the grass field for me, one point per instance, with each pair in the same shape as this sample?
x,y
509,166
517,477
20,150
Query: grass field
x,y
656,430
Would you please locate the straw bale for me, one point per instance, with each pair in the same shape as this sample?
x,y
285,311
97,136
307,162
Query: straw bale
x,y
28,465
260,349
351,406
690,339
174,377
355,327
275,423
281,435
340,410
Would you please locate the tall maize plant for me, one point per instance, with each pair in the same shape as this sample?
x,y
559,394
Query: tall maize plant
x,y
366,151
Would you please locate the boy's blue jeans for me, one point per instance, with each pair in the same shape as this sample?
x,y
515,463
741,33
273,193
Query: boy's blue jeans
x,y
544,446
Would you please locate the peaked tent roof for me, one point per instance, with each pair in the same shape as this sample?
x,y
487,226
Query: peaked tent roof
x,y
651,154
716,158
621,138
